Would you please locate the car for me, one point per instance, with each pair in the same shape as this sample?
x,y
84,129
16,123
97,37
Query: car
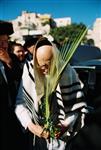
x,y
85,53
87,62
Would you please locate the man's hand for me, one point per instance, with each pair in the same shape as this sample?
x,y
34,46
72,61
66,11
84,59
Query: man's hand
x,y
38,130
4,56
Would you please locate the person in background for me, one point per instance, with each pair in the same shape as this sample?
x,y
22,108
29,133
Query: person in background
x,y
29,46
18,50
10,74
67,103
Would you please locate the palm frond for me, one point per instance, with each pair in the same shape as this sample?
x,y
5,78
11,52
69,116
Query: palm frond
x,y
67,54
61,61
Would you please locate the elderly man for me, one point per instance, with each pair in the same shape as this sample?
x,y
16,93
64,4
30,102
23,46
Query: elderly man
x,y
66,103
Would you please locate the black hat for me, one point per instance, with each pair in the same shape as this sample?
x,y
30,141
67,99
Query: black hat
x,y
6,28
30,41
42,41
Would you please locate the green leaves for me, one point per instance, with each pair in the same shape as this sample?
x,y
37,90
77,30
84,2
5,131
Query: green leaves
x,y
61,34
66,54
60,61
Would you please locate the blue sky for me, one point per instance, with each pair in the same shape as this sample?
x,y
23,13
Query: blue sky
x,y
85,11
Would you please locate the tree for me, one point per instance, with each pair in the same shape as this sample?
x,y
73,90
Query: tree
x,y
63,34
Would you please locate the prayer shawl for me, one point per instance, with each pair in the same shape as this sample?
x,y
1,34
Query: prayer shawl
x,y
27,94
69,100
66,102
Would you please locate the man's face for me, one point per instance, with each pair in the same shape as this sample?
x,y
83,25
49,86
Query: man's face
x,y
19,52
44,56
31,49
3,42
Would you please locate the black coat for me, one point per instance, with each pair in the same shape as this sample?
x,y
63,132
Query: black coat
x,y
11,133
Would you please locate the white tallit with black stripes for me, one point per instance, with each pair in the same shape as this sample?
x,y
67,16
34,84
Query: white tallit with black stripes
x,y
73,98
70,104
69,101
27,95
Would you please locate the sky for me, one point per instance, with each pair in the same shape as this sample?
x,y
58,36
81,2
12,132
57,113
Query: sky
x,y
85,11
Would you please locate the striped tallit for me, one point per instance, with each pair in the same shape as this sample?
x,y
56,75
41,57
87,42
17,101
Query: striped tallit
x,y
69,95
28,97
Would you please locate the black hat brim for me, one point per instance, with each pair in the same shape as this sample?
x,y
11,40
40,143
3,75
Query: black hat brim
x,y
6,28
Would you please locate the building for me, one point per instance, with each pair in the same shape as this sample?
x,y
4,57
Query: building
x,y
30,23
60,22
95,33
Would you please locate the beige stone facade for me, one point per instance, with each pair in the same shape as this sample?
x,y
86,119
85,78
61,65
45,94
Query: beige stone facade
x,y
33,24
95,33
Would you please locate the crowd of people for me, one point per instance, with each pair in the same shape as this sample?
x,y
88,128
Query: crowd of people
x,y
23,73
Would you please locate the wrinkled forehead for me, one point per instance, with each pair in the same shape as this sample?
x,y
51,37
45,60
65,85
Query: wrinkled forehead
x,y
44,53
